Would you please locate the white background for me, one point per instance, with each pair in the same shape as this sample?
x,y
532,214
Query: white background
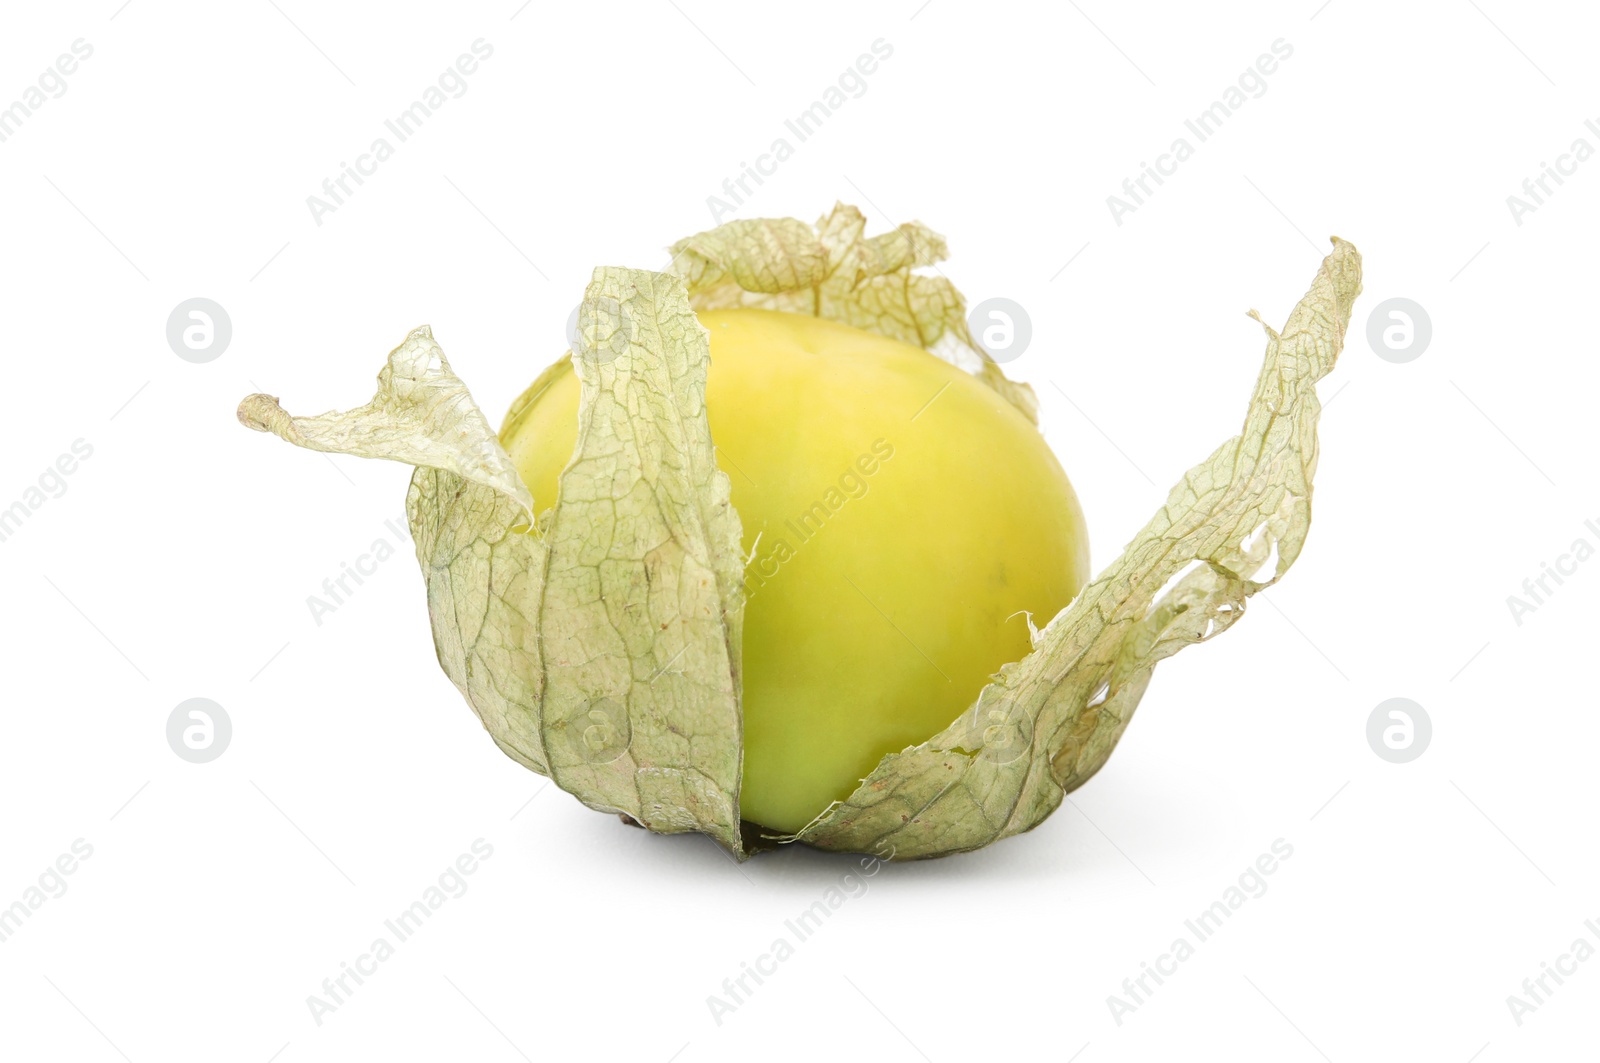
x,y
178,561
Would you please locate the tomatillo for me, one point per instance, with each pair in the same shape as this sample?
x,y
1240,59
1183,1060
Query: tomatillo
x,y
902,522
783,586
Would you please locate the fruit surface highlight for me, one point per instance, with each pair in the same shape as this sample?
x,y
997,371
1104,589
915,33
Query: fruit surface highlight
x,y
902,519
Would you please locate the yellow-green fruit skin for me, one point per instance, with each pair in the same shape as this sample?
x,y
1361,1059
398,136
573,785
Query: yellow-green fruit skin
x,y
903,517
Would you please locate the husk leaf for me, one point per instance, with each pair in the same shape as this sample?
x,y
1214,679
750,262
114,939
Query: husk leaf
x,y
601,645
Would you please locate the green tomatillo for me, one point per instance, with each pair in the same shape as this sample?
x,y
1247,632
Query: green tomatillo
x,y
766,557
902,522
